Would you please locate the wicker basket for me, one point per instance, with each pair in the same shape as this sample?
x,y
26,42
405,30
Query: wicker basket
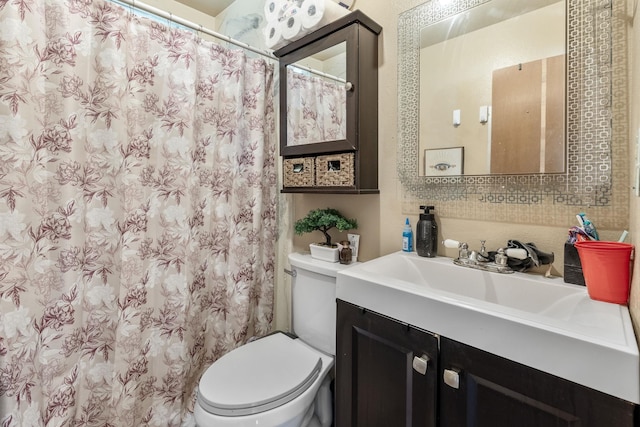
x,y
298,172
335,170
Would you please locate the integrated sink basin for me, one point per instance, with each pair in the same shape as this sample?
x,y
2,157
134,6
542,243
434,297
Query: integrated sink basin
x,y
540,322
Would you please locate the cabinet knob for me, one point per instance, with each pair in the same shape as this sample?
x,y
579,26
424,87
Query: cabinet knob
x,y
420,364
451,378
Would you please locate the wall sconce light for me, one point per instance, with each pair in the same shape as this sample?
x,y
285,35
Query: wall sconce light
x,y
456,117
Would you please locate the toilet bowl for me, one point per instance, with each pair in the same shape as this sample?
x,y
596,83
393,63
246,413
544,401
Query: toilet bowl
x,y
277,386
281,379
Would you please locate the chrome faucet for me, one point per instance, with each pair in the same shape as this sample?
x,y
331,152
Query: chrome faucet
x,y
479,259
463,250
482,255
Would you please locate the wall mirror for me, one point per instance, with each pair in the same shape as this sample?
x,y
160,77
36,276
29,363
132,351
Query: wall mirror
x,y
500,67
317,97
317,93
585,175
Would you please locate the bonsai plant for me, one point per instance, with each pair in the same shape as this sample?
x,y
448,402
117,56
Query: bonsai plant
x,y
324,220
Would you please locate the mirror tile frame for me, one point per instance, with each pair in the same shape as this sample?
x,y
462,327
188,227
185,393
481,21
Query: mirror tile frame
x,y
596,123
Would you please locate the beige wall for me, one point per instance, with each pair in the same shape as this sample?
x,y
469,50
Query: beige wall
x,y
185,12
381,228
634,127
381,216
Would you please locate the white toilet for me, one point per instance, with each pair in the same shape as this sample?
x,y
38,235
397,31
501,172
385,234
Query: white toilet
x,y
279,380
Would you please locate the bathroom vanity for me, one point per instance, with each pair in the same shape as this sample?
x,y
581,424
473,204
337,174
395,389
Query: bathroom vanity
x,y
423,342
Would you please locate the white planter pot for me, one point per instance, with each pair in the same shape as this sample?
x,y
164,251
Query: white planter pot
x,y
324,253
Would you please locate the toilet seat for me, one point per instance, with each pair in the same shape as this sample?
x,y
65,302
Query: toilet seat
x,y
259,376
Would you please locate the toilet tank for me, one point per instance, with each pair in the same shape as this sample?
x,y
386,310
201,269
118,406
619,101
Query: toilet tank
x,y
313,301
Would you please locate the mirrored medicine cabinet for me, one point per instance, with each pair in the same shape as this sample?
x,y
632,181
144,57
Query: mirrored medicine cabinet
x,y
329,108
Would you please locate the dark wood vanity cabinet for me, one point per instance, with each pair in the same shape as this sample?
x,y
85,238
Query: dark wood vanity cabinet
x,y
376,384
497,392
349,164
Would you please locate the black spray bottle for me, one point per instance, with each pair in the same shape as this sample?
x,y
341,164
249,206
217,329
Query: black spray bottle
x,y
427,233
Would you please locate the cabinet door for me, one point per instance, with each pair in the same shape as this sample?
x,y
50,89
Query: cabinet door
x,y
496,392
376,383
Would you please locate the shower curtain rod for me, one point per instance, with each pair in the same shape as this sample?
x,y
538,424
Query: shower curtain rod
x,y
319,73
196,27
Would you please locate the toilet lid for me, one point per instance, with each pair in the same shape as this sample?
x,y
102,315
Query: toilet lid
x,y
258,376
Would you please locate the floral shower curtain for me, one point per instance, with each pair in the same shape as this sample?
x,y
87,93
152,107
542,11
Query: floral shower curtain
x,y
137,213
316,109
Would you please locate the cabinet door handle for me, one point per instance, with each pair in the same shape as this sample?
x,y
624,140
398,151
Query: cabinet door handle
x,y
451,378
420,364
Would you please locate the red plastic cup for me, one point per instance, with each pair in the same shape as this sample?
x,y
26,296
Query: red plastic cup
x,y
606,267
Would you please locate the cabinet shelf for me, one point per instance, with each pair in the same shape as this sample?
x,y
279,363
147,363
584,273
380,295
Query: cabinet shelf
x,y
328,190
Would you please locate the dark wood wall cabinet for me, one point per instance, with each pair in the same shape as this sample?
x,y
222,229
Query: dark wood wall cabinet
x,y
348,164
377,383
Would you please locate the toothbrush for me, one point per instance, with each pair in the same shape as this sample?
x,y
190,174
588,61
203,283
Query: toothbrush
x,y
623,236
588,226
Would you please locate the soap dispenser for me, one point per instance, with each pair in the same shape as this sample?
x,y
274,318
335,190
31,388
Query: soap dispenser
x,y
427,233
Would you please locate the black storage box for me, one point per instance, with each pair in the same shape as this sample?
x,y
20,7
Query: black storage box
x,y
572,265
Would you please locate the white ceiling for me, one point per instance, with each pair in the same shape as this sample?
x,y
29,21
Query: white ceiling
x,y
210,7
214,7
242,20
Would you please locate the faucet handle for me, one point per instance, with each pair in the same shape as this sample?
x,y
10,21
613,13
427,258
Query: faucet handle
x,y
483,249
501,257
463,248
463,252
451,244
517,253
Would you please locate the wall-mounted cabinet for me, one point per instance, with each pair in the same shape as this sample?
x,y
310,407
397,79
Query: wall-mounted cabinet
x,y
329,108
